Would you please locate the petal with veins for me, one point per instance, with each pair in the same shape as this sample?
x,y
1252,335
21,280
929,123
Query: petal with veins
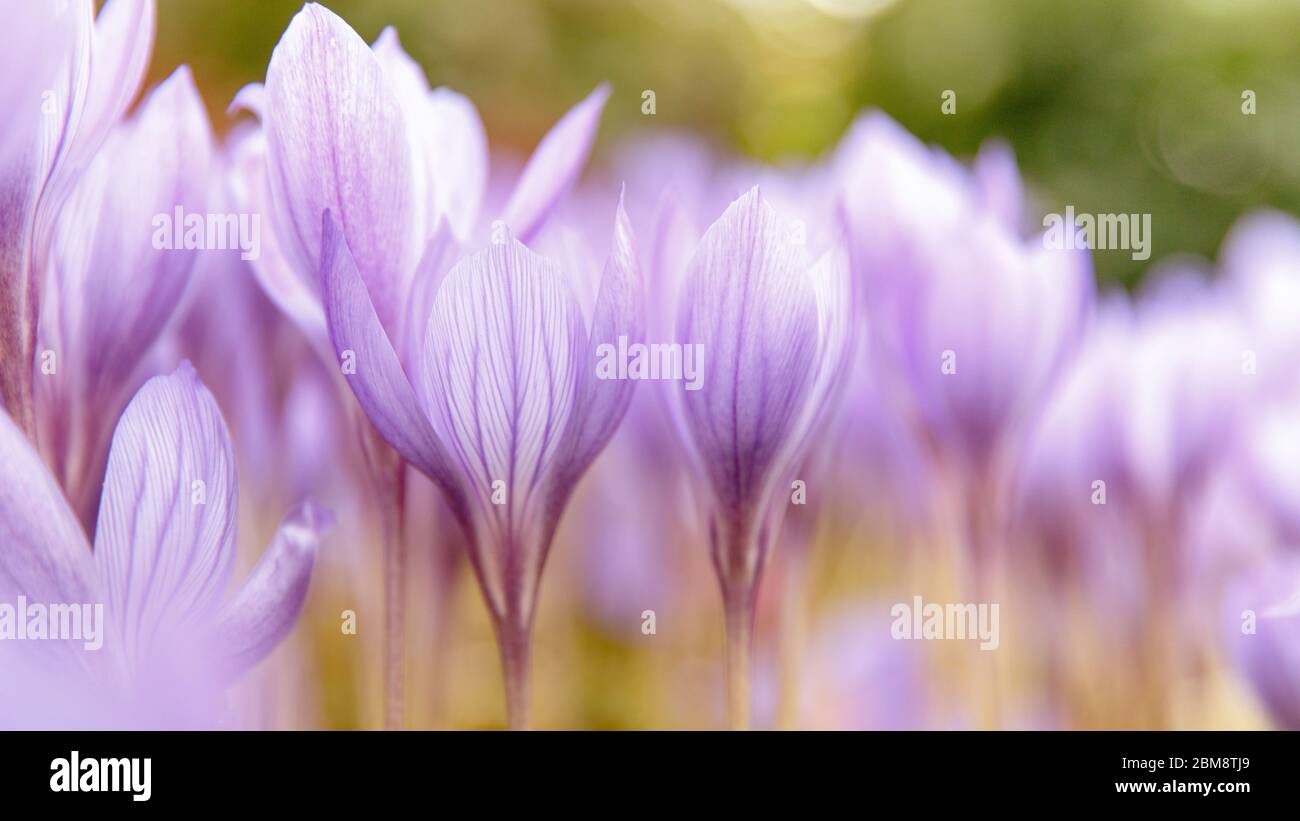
x,y
748,302
379,383
166,533
267,604
504,347
337,140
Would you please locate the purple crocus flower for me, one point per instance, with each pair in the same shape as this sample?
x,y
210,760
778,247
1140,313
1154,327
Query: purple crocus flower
x,y
503,409
773,327
1122,458
115,278
406,167
171,637
356,131
970,323
69,78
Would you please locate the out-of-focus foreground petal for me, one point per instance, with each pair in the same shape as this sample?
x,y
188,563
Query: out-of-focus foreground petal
x,y
267,604
117,273
165,539
45,554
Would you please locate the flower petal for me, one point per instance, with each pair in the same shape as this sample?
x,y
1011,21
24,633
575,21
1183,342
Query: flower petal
x,y
52,84
460,166
448,146
554,165
166,533
378,381
832,288
504,344
112,287
748,301
620,312
269,601
120,51
45,554
297,297
337,140
998,182
117,277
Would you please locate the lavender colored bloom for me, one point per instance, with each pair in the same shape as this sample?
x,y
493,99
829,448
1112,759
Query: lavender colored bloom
x,y
405,169
1078,440
71,77
115,278
503,409
1149,409
163,549
773,326
969,320
355,131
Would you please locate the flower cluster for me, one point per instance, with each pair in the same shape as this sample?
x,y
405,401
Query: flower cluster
x,y
883,344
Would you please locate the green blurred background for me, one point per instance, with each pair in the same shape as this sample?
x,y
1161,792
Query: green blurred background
x,y
1111,105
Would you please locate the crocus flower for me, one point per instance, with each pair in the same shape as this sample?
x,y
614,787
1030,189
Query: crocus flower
x,y
115,279
503,409
406,166
355,130
1124,454
773,327
164,545
69,77
970,323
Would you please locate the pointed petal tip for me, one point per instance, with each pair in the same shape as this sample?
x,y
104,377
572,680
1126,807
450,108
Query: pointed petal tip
x,y
307,522
185,370
250,98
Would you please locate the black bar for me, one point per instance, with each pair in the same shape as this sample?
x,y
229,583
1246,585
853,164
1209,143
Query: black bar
x,y
452,772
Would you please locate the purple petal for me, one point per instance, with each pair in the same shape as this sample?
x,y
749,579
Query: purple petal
x,y
833,290
411,90
998,181
619,312
267,604
554,165
111,290
250,98
120,52
166,533
439,256
460,166
337,140
748,301
448,145
379,382
49,93
505,343
296,296
1269,654
45,554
